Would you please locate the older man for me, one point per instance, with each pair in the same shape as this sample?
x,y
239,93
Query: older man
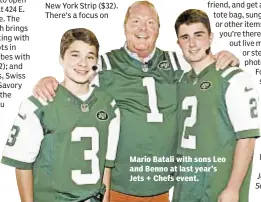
x,y
143,79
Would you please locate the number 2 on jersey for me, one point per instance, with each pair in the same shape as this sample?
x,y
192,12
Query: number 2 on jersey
x,y
154,115
77,176
190,142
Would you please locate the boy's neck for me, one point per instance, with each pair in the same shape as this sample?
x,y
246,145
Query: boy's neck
x,y
201,65
75,88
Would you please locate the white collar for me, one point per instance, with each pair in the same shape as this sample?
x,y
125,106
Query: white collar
x,y
135,55
85,96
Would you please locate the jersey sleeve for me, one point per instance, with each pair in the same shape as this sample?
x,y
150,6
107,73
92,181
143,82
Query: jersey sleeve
x,y
113,138
242,105
106,75
25,138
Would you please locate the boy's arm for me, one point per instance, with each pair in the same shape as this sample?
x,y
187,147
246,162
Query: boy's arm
x,y
24,180
107,182
243,115
23,146
242,158
113,138
25,138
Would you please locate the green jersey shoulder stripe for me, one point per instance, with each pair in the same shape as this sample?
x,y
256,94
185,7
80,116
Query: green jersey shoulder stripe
x,y
230,72
174,60
106,61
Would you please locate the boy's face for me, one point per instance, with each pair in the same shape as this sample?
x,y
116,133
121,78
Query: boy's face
x,y
78,61
194,39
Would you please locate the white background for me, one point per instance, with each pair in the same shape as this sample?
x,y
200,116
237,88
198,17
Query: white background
x,y
44,49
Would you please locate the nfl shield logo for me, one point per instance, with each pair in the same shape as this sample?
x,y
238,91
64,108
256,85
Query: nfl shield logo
x,y
84,107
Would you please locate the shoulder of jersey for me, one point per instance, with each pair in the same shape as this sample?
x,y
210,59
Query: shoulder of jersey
x,y
102,93
107,58
31,104
115,51
176,61
41,103
230,72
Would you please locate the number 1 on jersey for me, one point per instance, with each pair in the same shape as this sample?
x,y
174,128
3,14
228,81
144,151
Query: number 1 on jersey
x,y
154,115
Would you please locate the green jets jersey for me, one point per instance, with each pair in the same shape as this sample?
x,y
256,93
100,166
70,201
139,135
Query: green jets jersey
x,y
146,96
215,110
65,144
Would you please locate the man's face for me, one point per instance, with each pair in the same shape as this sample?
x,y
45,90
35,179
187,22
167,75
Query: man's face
x,y
78,61
141,30
194,39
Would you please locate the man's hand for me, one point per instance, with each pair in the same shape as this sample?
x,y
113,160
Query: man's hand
x,y
229,195
225,59
45,88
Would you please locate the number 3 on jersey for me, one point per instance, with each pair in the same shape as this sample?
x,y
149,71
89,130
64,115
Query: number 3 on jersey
x,y
154,115
13,135
77,175
190,141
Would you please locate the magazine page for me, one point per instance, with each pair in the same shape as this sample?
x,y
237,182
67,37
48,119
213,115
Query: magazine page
x,y
152,157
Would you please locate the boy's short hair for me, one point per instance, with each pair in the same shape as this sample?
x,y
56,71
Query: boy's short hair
x,y
192,16
80,34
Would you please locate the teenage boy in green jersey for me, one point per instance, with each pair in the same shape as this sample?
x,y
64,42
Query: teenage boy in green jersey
x,y
60,149
218,119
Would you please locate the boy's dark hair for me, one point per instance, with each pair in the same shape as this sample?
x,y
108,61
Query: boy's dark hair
x,y
80,34
192,16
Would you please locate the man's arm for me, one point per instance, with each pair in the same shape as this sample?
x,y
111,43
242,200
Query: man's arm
x,y
45,88
242,158
224,59
24,180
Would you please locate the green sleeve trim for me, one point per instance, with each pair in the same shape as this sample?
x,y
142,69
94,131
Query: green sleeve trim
x,y
233,73
115,108
109,163
176,60
254,133
16,164
35,101
104,65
